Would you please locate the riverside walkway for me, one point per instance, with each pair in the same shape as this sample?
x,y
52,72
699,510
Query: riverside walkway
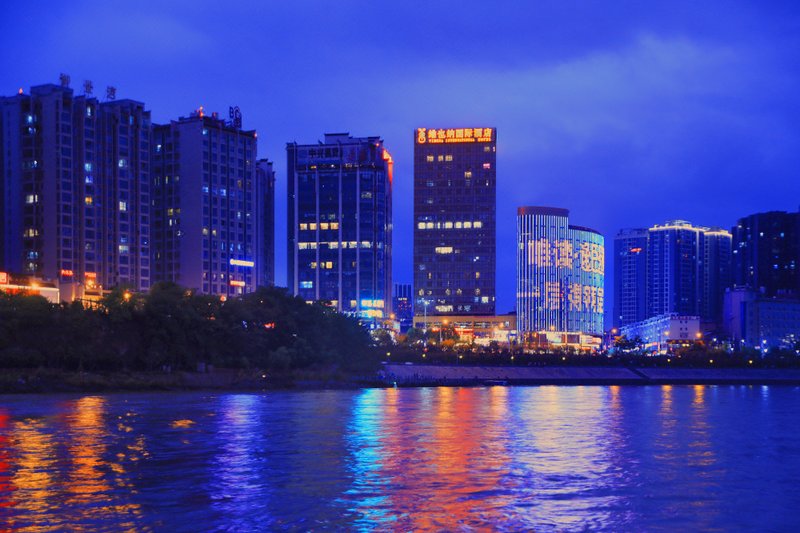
x,y
427,375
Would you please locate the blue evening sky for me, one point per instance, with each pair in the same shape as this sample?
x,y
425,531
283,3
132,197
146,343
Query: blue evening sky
x,y
627,113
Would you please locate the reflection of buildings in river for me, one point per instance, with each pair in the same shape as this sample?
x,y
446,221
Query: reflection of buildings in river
x,y
437,465
33,457
95,482
6,486
564,446
236,484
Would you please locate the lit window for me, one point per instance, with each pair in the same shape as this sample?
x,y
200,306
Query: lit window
x,y
312,226
467,225
303,227
477,224
123,206
468,174
323,225
429,159
329,265
448,158
31,199
448,225
458,225
420,225
335,225
306,284
87,167
444,249
440,158
124,248
122,163
88,200
487,165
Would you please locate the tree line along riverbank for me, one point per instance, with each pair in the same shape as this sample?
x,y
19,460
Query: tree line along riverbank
x,y
174,339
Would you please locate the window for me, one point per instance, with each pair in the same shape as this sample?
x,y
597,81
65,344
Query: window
x,y
123,206
306,284
429,159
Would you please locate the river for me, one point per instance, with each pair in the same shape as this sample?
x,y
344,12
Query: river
x,y
430,459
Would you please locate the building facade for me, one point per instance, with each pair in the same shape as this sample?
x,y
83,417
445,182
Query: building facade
x,y
340,224
630,276
76,198
265,223
766,253
560,274
755,320
688,270
454,221
658,333
204,205
403,305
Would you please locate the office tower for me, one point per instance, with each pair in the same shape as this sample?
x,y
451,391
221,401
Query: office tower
x,y
766,253
403,305
340,223
265,226
630,276
560,274
454,221
688,270
76,171
204,211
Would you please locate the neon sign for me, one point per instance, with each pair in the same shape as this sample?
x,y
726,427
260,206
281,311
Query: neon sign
x,y
237,283
589,257
457,135
242,263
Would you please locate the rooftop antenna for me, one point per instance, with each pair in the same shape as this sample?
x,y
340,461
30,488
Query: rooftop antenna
x,y
111,93
64,79
88,87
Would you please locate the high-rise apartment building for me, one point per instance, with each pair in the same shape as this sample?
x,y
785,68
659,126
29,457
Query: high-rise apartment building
x,y
340,223
204,209
560,274
75,173
688,270
630,277
766,253
454,221
265,225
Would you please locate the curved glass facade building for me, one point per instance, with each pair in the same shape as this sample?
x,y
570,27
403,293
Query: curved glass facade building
x,y
560,274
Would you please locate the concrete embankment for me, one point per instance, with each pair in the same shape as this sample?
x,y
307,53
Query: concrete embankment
x,y
424,375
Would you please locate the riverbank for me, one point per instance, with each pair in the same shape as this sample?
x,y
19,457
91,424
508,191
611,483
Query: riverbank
x,y
389,375
55,381
435,375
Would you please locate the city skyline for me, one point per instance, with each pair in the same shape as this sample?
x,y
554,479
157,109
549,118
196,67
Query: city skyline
x,y
695,109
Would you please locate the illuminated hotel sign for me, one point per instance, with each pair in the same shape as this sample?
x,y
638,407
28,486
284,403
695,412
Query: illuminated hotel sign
x,y
242,263
237,283
459,135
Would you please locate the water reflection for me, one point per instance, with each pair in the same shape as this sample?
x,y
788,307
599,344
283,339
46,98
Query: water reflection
x,y
438,459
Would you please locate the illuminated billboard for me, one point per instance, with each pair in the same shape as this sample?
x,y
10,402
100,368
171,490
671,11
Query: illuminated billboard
x,y
454,135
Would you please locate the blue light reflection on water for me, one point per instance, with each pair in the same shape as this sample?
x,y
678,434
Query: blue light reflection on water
x,y
549,458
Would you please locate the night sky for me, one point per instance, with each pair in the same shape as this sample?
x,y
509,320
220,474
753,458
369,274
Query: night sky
x,y
626,113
